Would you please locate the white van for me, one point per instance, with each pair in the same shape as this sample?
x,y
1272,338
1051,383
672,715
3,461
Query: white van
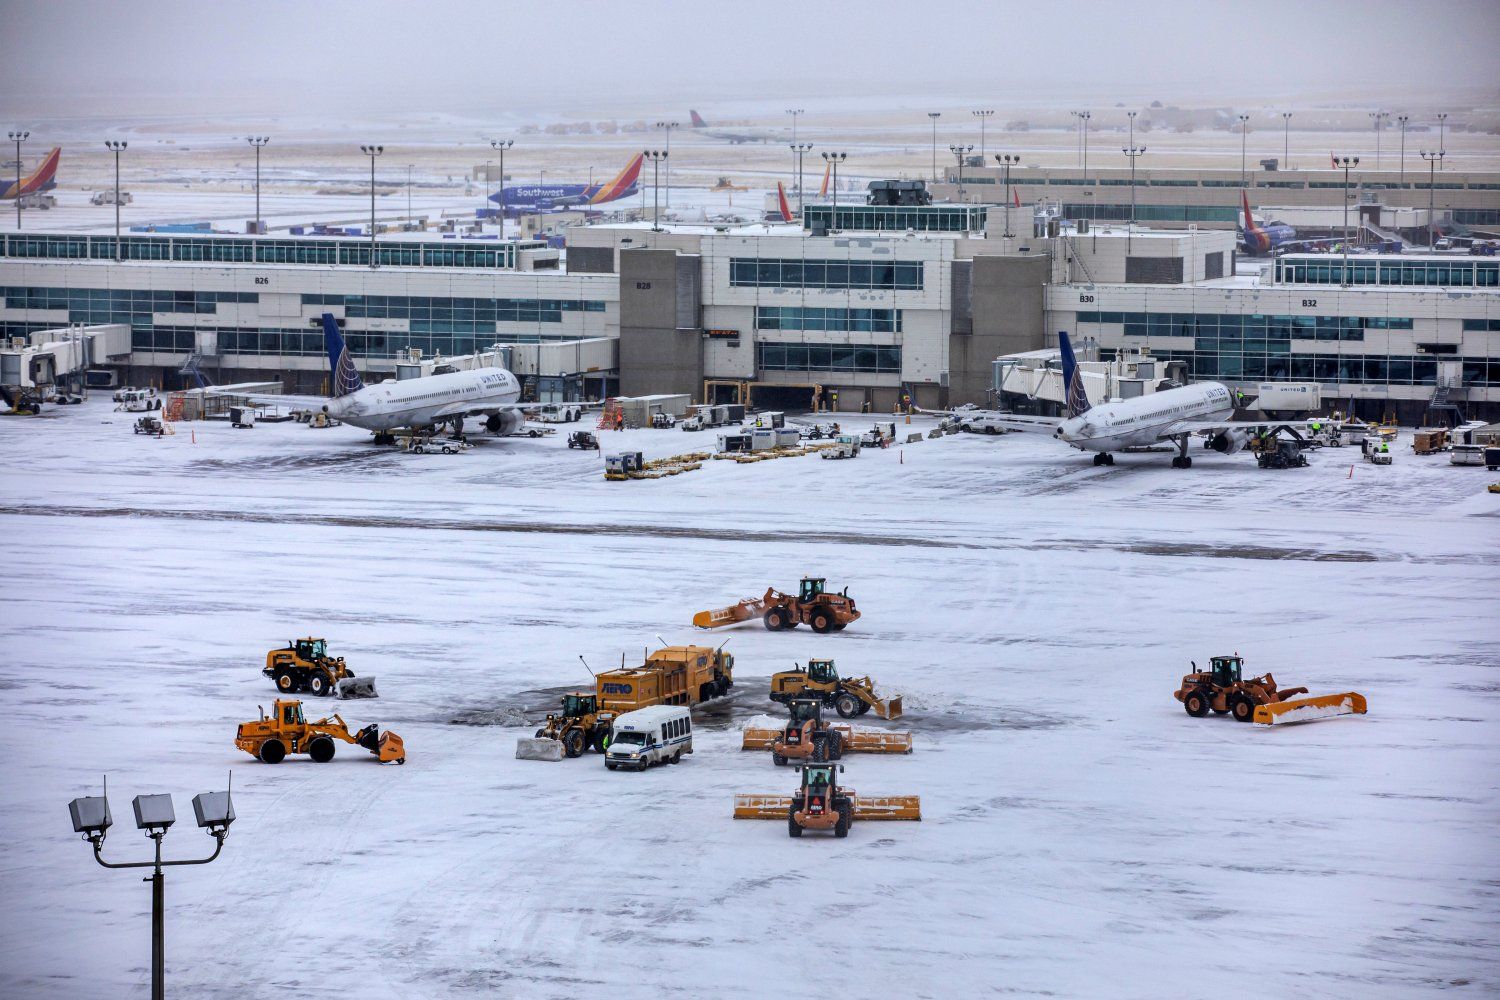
x,y
660,734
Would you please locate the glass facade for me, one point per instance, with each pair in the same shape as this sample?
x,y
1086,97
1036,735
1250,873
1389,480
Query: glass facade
x,y
839,358
1443,273
839,320
265,250
754,272
1255,326
920,218
1150,213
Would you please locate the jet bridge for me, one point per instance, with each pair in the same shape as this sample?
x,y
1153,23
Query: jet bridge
x,y
1031,382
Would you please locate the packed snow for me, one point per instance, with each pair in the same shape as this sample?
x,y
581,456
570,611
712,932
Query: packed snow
x,y
1081,835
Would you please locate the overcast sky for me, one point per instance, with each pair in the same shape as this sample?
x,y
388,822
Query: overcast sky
x,y
103,57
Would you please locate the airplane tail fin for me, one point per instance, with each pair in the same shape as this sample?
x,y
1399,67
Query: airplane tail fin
x,y
697,120
786,208
343,377
621,184
1017,196
43,178
1078,400
823,190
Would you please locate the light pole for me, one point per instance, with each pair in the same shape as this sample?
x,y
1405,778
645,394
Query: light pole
x,y
408,195
795,113
258,141
1131,115
656,156
1286,138
1077,138
958,154
666,151
500,146
1007,160
116,146
1133,152
983,117
214,812
18,138
1442,141
1083,119
1346,162
834,159
934,115
372,152
1244,134
800,149
1402,120
1378,118
1434,160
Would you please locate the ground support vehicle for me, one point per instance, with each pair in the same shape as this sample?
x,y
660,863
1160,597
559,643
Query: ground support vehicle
x,y
421,445
844,446
288,731
138,400
850,696
1223,690
304,665
821,803
584,440
811,605
1280,454
149,426
661,734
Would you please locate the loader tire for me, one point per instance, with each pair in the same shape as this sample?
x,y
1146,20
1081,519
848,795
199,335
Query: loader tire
x,y
777,759
823,621
572,742
847,705
318,685
321,750
835,746
778,619
793,829
285,682
1243,709
1196,704
820,751
272,752
846,818
864,707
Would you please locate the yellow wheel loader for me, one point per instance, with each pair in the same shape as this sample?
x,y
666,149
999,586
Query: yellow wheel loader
x,y
822,803
1222,689
288,731
849,696
304,665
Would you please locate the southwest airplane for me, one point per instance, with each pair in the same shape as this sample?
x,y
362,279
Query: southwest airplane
x,y
43,178
1258,240
417,403
1172,415
557,197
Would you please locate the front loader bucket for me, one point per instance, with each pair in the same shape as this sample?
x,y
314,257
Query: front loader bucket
x,y
759,739
888,807
1325,706
385,746
747,806
539,748
734,614
355,687
888,709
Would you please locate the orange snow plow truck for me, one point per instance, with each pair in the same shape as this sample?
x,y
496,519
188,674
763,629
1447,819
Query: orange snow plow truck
x,y
1222,689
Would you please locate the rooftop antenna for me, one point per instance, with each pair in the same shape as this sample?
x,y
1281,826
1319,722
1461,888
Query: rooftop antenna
x,y
661,640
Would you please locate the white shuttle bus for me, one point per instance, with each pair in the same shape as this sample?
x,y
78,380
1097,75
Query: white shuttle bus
x,y
660,734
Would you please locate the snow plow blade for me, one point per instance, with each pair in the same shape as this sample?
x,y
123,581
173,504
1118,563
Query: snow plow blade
x,y
386,746
734,614
855,740
529,748
866,807
1326,706
355,687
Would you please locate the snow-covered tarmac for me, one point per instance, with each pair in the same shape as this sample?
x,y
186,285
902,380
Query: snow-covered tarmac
x,y
1082,836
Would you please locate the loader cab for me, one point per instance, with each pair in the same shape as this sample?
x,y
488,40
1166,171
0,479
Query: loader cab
x,y
311,649
805,709
1226,670
290,713
822,672
577,705
812,586
820,779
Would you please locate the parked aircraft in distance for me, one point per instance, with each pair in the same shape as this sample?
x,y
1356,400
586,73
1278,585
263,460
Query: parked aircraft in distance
x,y
43,178
529,198
734,137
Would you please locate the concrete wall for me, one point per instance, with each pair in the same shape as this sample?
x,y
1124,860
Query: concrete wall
x,y
656,356
1007,303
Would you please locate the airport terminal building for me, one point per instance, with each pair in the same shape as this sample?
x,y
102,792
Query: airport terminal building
x,y
865,311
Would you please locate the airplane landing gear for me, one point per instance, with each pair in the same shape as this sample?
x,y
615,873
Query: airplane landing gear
x,y
384,438
1103,458
1182,461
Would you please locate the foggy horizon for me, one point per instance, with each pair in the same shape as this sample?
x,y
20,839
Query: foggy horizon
x,y
95,59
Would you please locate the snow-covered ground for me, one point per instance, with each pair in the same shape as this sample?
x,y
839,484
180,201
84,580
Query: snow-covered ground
x,y
1082,836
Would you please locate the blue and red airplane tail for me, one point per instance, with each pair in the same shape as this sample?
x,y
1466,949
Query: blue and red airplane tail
x,y
782,203
622,185
1255,238
344,377
43,178
697,120
1077,399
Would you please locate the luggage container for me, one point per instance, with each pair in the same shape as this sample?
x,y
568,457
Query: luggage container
x,y
788,437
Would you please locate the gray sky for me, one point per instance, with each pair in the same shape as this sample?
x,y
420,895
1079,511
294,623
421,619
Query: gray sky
x,y
102,57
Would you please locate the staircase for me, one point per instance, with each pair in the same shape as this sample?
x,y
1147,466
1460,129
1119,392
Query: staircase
x,y
1076,256
609,418
1442,402
193,368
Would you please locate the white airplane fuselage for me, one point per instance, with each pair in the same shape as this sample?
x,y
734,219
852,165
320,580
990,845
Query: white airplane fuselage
x,y
1136,423
424,402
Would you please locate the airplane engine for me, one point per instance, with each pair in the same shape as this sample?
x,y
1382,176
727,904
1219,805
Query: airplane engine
x,y
505,422
1228,442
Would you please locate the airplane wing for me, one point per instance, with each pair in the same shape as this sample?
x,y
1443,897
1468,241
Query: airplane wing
x,y
245,390
1026,424
464,408
1180,427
